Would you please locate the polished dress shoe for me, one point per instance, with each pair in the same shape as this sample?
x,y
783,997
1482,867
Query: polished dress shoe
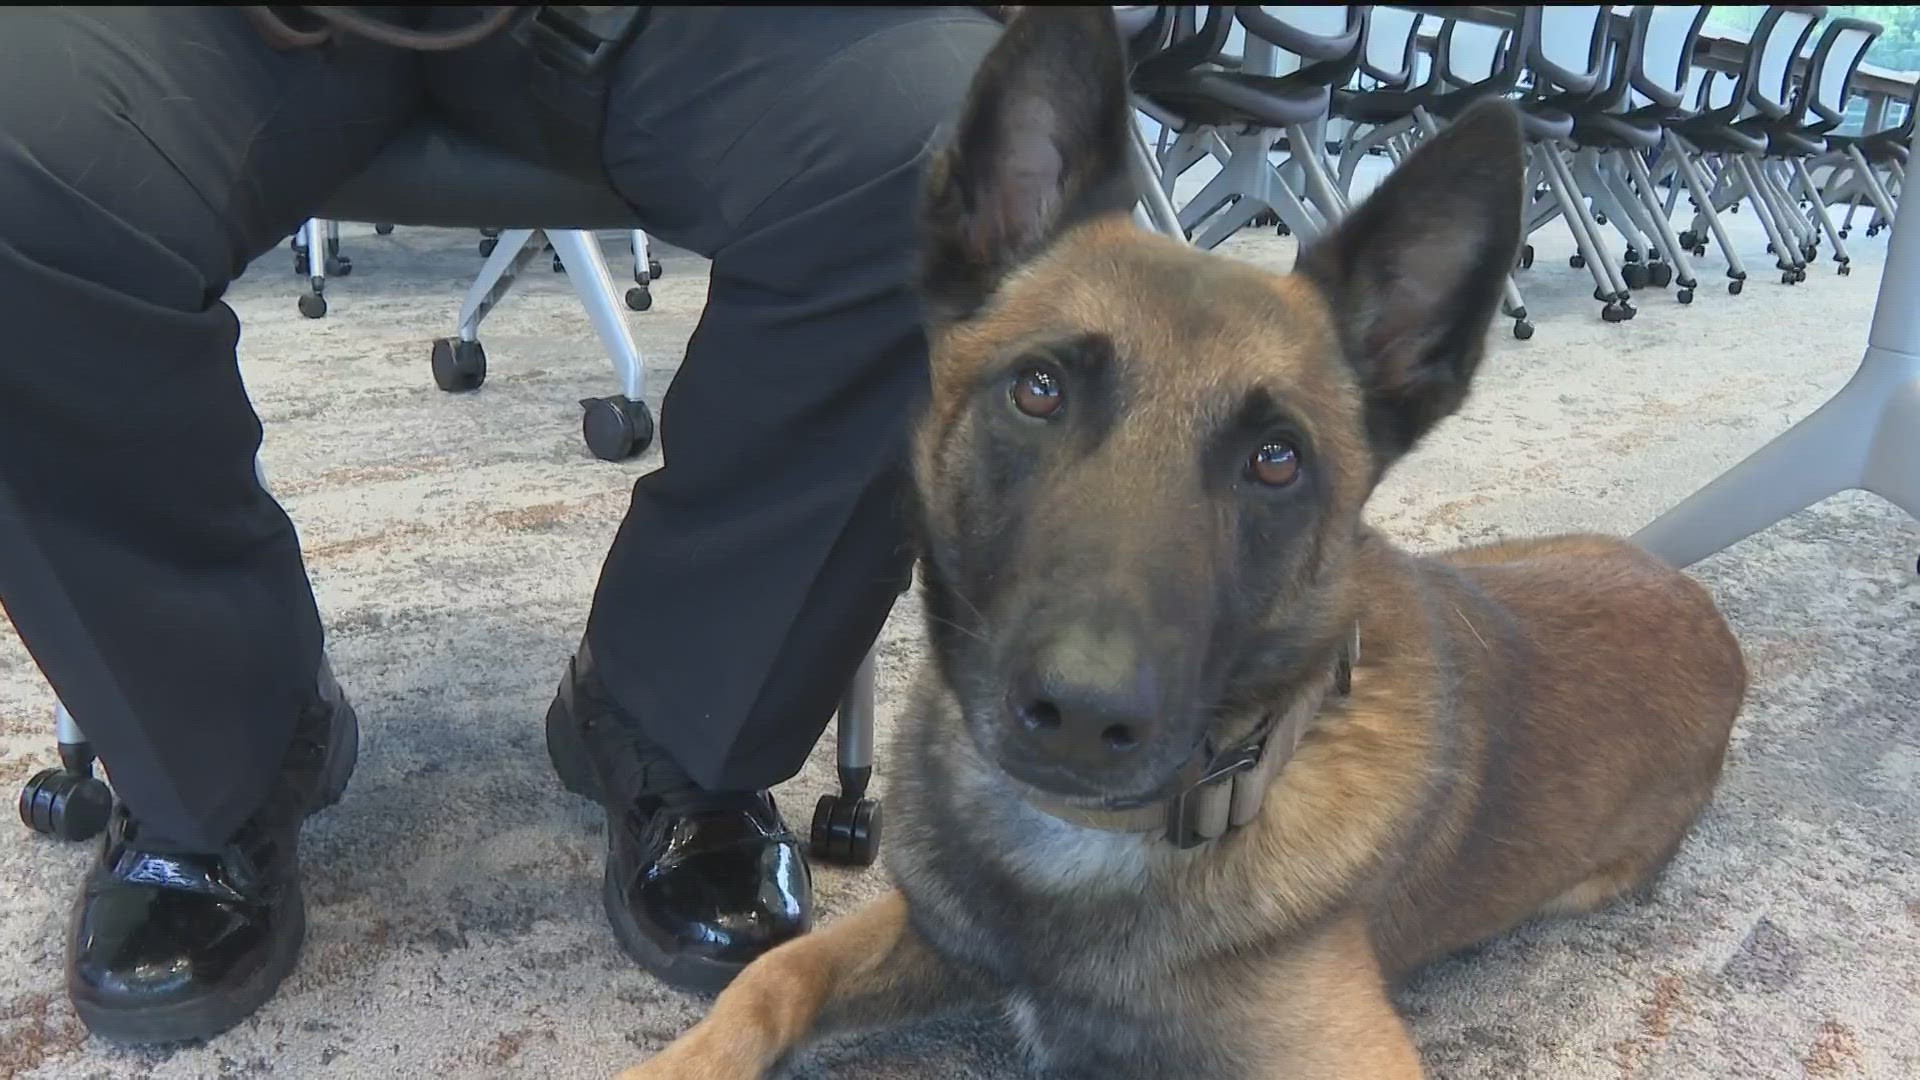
x,y
698,883
168,948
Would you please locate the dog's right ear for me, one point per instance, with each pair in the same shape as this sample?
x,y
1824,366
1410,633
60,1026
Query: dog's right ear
x,y
1042,145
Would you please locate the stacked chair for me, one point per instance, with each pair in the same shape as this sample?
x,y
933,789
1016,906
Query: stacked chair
x,y
1619,119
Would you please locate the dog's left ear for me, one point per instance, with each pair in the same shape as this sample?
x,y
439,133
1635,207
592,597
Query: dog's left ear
x,y
1414,275
1041,146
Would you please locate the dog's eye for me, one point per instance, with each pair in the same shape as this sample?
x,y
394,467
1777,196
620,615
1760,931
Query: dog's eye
x,y
1038,393
1275,464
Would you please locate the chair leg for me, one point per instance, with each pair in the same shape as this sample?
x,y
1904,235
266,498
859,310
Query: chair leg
x,y
1821,216
1586,234
1160,212
1867,436
1871,182
1662,223
313,302
1701,192
846,826
512,250
619,426
579,252
1784,252
1308,151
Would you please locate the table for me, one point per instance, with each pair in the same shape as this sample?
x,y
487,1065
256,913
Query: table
x,y
1866,437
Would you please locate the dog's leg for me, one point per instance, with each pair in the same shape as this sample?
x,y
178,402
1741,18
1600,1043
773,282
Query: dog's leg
x,y
1328,1016
865,970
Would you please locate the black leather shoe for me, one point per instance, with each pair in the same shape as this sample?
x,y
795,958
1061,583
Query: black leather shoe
x,y
698,883
172,948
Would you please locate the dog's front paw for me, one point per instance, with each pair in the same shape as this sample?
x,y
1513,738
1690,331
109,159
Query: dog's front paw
x,y
698,1055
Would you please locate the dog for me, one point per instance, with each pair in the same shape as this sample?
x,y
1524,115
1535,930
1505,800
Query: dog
x,y
1204,765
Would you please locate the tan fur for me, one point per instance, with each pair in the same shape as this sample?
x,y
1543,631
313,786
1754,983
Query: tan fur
x,y
1532,726
1401,831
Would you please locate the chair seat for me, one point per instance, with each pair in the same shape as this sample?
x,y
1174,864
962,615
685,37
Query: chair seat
x,y
433,176
1708,134
1879,147
1224,98
1613,131
1539,124
1782,142
1380,106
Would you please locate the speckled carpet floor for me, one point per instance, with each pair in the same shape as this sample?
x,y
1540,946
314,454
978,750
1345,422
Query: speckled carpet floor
x,y
456,927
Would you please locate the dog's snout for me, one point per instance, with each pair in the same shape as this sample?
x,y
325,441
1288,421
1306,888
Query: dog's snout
x,y
1083,706
1080,723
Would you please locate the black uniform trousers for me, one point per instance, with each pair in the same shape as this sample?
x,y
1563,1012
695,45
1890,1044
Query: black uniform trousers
x,y
147,155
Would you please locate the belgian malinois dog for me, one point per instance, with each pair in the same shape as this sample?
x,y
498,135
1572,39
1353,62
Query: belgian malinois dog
x,y
1203,763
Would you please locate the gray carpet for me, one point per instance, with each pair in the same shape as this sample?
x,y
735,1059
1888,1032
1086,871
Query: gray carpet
x,y
454,542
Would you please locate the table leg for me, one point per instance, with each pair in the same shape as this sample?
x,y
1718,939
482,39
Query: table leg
x,y
1866,437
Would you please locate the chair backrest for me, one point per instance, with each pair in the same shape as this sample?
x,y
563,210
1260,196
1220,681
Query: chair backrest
x,y
1829,78
1570,50
1145,27
1325,41
1390,40
1666,53
1766,85
1198,35
1485,59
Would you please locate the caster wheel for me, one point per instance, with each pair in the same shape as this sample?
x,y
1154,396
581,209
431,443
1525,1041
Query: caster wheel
x,y
616,428
1846,269
1599,218
458,365
557,267
488,243
1522,329
1635,275
312,305
1844,233
339,266
1811,251
1786,277
1872,231
1283,229
1660,274
1687,239
1769,249
639,298
383,230
1526,257
1685,296
654,270
300,264
846,831
1734,287
1604,297
1577,261
65,805
1699,251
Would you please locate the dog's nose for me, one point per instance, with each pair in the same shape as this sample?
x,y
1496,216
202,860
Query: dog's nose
x,y
1085,728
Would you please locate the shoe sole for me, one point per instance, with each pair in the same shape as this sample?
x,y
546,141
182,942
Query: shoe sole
x,y
211,1014
206,1015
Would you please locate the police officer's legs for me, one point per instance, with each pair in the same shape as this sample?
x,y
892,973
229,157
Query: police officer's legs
x,y
146,156
756,567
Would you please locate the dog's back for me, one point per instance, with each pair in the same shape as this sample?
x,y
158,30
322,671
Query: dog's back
x,y
1606,684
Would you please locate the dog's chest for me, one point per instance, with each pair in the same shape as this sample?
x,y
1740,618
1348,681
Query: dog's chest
x,y
1092,988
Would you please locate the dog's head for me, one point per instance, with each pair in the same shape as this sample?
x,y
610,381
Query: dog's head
x,y
1142,467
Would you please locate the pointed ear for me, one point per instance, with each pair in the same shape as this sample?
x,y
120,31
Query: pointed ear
x,y
1041,146
1414,275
